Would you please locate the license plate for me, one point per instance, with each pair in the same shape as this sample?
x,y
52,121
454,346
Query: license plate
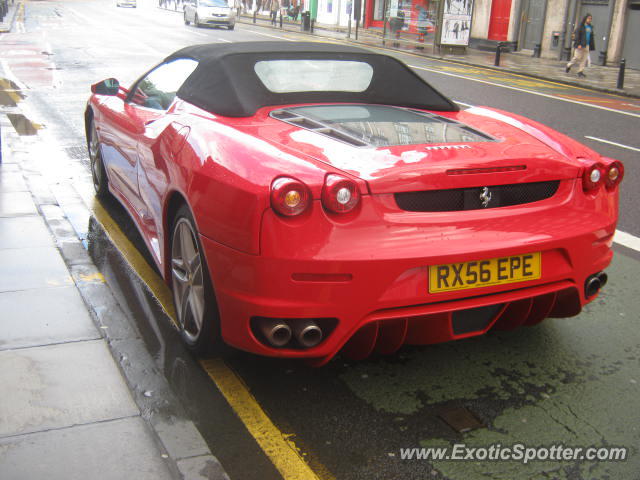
x,y
483,273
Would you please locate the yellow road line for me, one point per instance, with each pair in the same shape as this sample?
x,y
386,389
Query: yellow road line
x,y
281,450
7,88
149,277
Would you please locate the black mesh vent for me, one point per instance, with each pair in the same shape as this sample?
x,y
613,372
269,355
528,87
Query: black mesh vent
x,y
476,198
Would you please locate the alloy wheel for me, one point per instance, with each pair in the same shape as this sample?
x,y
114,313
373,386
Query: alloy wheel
x,y
188,280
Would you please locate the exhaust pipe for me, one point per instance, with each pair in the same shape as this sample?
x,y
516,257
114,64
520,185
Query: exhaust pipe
x,y
277,332
594,283
307,333
603,277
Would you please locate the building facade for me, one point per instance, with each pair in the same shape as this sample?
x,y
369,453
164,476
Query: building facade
x,y
547,25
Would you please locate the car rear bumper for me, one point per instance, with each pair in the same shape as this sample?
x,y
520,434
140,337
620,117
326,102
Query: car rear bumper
x,y
212,20
372,276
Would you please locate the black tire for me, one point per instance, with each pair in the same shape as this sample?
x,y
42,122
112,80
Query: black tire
x,y
98,172
231,27
196,21
192,288
186,22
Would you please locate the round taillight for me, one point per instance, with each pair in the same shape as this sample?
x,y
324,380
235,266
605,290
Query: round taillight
x,y
592,177
340,194
289,197
614,174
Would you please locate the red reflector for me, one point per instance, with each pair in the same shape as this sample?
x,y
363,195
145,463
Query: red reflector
x,y
321,277
471,171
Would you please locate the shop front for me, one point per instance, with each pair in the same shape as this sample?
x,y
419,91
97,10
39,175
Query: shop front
x,y
413,16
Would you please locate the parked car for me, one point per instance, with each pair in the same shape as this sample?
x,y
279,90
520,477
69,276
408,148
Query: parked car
x,y
210,12
126,3
303,198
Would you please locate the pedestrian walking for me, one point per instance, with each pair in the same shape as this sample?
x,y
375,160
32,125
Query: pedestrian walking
x,y
275,7
584,42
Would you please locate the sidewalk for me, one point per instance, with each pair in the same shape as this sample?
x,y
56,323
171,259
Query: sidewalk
x,y
72,405
68,409
599,78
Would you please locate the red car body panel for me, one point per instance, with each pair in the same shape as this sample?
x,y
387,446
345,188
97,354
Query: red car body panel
x,y
366,270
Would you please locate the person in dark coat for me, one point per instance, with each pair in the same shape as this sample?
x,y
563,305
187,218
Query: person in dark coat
x,y
583,43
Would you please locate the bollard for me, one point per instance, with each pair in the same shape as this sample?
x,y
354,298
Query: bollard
x,y
602,59
311,25
623,64
536,50
280,18
566,54
498,50
255,12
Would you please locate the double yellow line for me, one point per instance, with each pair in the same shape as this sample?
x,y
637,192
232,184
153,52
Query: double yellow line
x,y
278,446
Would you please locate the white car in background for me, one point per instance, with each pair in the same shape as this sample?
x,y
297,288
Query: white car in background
x,y
209,12
126,3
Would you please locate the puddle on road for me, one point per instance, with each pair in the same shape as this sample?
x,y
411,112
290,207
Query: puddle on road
x,y
23,125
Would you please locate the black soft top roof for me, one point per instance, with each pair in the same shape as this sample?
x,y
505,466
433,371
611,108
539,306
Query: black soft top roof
x,y
226,83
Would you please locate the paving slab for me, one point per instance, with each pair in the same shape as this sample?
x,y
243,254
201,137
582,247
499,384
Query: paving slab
x,y
86,452
24,232
12,182
60,386
13,204
202,468
26,268
45,316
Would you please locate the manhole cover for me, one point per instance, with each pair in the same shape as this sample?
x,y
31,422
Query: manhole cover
x,y
460,419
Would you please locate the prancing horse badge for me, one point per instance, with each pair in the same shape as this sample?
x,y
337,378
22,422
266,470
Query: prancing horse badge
x,y
485,197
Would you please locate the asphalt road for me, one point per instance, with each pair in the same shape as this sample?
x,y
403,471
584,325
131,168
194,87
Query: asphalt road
x,y
570,381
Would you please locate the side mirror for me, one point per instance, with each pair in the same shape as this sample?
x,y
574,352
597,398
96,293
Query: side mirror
x,y
110,86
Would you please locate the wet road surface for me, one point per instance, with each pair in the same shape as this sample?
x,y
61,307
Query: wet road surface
x,y
571,381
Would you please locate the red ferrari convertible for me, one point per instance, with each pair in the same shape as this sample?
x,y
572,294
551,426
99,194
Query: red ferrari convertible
x,y
302,199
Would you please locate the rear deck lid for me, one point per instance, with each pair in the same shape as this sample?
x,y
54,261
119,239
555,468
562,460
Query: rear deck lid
x,y
402,149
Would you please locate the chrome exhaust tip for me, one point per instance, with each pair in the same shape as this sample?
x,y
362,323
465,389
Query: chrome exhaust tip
x,y
603,277
275,331
307,333
592,285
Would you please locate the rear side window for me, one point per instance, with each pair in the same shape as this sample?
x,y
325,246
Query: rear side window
x,y
158,89
314,75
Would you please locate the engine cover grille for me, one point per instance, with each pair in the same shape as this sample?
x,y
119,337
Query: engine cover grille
x,y
476,198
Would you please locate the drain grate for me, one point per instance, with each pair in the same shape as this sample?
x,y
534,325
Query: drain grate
x,y
77,152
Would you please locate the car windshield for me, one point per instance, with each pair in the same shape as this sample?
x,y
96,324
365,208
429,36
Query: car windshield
x,y
381,125
213,3
314,75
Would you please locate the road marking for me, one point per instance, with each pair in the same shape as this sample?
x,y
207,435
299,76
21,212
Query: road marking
x,y
627,240
224,40
200,34
267,35
136,261
283,453
524,90
612,143
6,87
